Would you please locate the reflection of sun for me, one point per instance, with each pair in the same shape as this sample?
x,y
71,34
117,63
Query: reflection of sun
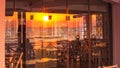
x,y
48,59
45,18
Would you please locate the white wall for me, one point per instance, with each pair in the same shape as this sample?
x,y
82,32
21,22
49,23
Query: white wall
x,y
116,34
2,34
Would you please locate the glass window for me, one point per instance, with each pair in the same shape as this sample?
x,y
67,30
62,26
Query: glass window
x,y
78,39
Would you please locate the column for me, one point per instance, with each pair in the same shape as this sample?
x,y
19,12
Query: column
x,y
2,34
116,34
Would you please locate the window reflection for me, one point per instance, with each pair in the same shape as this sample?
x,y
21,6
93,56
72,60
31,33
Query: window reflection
x,y
52,40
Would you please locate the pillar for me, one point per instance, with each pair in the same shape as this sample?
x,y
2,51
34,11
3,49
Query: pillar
x,y
116,34
2,34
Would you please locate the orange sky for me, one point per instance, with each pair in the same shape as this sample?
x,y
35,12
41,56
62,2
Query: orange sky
x,y
57,20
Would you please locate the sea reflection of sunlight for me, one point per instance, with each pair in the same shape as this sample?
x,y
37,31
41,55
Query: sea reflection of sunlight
x,y
40,60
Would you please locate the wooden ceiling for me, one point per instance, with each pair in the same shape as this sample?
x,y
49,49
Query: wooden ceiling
x,y
56,5
53,3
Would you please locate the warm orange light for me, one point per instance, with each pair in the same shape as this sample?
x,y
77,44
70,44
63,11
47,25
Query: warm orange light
x,y
48,20
94,20
45,18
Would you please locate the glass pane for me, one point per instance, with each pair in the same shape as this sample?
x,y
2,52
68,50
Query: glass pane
x,y
44,31
51,35
97,26
11,39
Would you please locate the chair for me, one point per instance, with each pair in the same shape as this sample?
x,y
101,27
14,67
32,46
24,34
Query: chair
x,y
113,66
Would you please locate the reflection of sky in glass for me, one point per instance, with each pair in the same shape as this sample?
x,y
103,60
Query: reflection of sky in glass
x,y
56,26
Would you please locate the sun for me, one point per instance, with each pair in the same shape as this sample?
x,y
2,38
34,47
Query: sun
x,y
45,18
